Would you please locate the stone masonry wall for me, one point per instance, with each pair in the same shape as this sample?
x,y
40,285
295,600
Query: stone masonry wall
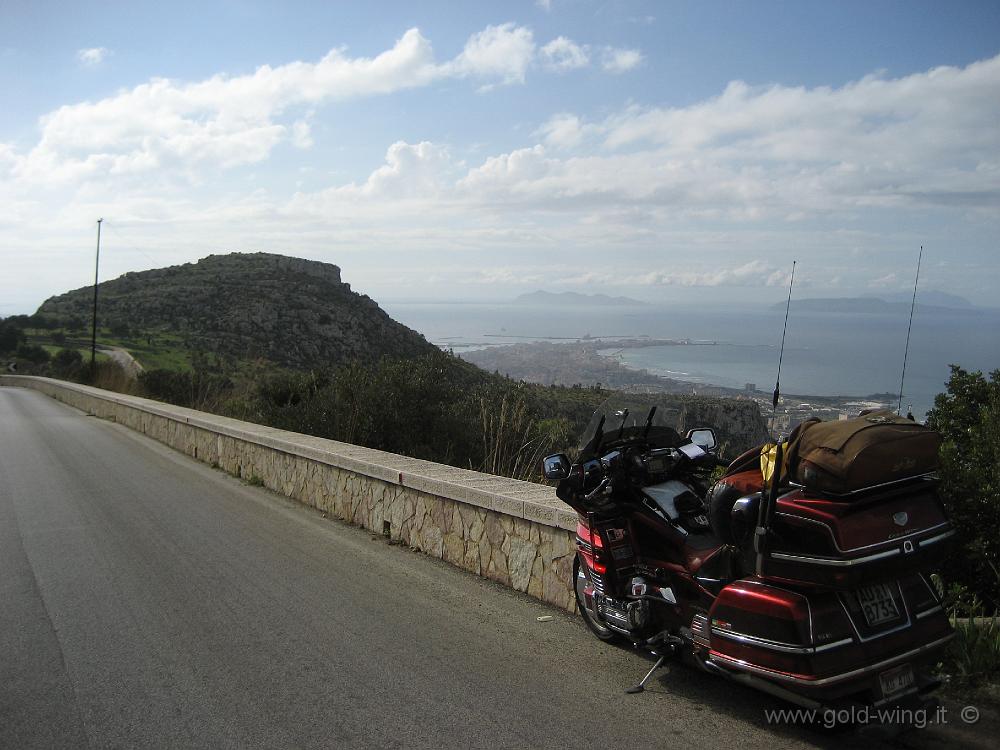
x,y
516,533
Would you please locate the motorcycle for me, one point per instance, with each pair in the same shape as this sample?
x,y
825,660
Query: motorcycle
x,y
820,599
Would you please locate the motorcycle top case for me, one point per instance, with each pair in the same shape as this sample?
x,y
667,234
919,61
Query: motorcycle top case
x,y
842,544
848,456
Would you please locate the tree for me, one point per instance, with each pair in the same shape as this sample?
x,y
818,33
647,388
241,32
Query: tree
x,y
67,363
968,417
10,336
33,353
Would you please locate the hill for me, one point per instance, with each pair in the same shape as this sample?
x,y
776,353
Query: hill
x,y
293,312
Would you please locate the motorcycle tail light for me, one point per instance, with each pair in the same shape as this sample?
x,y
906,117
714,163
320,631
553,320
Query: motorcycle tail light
x,y
591,560
588,534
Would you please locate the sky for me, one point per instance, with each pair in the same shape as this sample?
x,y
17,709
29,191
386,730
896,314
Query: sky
x,y
672,151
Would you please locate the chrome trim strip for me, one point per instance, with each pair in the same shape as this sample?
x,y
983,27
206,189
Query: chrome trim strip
x,y
833,644
929,476
931,611
778,645
935,539
830,561
747,667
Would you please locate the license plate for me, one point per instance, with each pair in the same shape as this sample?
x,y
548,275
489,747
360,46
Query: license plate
x,y
896,680
877,603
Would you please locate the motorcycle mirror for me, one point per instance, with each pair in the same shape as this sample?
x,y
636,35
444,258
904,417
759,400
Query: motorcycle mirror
x,y
555,467
703,437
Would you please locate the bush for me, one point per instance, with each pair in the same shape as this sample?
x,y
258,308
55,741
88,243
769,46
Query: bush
x,y
33,353
197,390
968,417
68,364
11,336
973,656
434,407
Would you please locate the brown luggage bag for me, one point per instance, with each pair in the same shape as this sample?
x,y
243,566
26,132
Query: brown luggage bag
x,y
850,455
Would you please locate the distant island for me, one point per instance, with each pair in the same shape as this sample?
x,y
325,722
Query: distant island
x,y
929,302
567,299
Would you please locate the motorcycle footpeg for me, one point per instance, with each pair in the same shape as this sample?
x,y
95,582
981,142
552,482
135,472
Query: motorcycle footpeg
x,y
663,642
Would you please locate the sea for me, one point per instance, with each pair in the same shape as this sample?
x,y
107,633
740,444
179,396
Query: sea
x,y
850,354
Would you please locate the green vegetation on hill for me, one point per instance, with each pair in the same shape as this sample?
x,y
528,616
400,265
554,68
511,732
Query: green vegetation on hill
x,y
239,307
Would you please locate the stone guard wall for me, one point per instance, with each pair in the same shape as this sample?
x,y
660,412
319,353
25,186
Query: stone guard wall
x,y
516,533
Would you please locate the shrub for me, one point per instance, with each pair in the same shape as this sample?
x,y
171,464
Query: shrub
x,y
68,364
968,417
11,336
973,656
33,353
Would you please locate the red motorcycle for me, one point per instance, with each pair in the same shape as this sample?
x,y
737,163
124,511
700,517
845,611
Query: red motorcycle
x,y
819,597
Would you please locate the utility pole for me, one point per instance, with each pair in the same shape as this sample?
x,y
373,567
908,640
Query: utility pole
x,y
93,328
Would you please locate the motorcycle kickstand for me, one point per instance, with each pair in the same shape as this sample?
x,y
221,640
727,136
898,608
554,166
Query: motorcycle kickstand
x,y
642,683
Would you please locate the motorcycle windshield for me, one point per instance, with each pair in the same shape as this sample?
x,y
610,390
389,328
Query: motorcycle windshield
x,y
627,417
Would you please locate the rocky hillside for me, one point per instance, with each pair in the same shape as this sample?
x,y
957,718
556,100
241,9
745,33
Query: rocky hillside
x,y
293,312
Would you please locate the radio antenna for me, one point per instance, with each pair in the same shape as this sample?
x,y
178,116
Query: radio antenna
x,y
781,353
909,326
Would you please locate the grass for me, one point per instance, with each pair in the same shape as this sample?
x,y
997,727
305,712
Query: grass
x,y
54,349
974,653
972,660
158,350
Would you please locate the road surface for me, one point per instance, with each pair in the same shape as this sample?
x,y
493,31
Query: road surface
x,y
124,359
151,601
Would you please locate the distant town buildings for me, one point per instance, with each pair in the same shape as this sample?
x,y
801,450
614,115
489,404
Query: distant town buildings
x,y
791,413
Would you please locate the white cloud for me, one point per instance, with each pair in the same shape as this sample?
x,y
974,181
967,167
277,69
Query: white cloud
x,y
616,60
522,169
717,193
563,131
503,52
753,273
884,282
410,170
504,275
562,54
232,120
928,139
302,134
92,56
752,156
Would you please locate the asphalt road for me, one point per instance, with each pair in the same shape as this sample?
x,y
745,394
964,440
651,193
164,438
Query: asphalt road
x,y
147,600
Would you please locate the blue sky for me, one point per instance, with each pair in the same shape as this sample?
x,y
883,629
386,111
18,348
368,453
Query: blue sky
x,y
665,150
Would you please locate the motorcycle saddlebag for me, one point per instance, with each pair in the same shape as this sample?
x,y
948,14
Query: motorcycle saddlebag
x,y
826,645
841,457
